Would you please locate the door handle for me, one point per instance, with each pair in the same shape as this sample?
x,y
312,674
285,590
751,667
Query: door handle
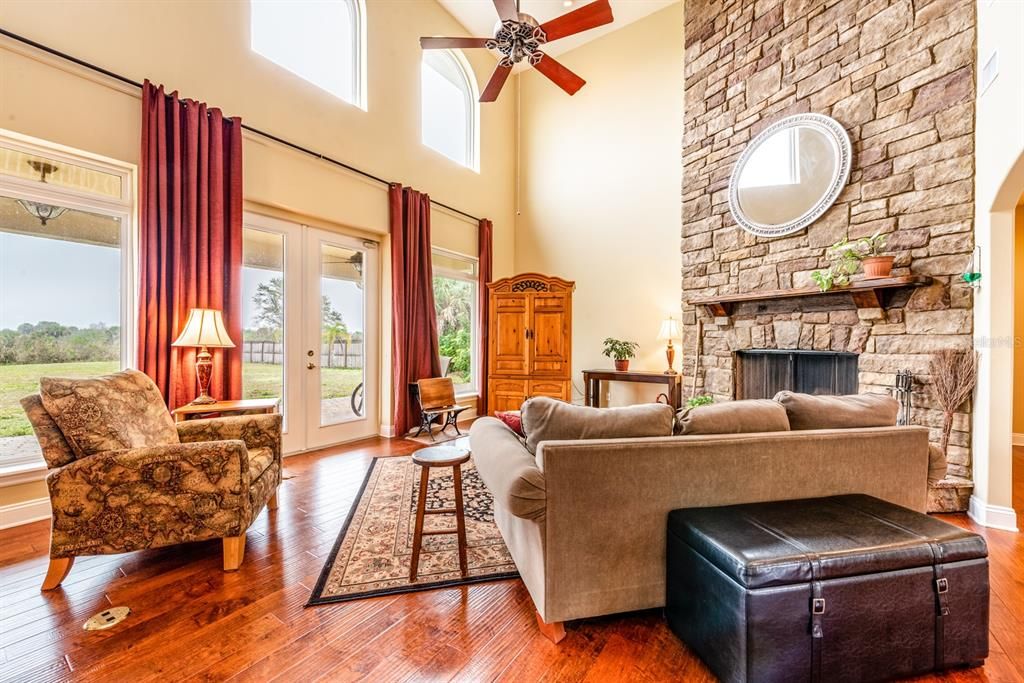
x,y
310,366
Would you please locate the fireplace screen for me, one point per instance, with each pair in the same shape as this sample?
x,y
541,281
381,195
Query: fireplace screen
x,y
763,373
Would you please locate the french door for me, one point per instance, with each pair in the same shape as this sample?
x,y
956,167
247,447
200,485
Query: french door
x,y
312,330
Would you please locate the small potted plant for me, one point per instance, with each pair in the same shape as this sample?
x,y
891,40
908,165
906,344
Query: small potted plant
x,y
875,264
621,351
845,259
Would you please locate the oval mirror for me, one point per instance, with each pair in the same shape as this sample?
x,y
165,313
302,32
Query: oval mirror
x,y
789,175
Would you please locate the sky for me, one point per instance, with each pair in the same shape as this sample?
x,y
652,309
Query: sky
x,y
66,282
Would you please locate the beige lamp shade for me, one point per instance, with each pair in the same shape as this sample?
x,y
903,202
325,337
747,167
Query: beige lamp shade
x,y
669,330
204,327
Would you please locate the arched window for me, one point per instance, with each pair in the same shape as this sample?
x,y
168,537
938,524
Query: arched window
x,y
450,112
321,41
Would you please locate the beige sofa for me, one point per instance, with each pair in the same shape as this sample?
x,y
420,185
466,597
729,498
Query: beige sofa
x,y
585,519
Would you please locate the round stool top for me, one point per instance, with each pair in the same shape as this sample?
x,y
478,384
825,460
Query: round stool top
x,y
440,456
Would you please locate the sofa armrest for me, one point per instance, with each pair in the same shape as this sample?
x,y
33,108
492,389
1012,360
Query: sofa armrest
x,y
257,431
508,469
138,498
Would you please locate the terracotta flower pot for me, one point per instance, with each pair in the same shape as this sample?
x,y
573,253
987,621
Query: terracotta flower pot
x,y
878,266
622,365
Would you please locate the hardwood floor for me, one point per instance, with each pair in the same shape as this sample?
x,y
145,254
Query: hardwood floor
x,y
192,621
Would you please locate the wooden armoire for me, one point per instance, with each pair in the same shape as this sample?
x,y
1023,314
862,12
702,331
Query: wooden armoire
x,y
529,339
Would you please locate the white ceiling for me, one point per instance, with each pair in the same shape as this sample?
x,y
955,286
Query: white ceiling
x,y
479,17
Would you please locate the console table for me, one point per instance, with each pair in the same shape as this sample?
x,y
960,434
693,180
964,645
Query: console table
x,y
220,408
592,383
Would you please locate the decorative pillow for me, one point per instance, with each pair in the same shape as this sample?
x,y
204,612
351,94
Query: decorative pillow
x,y
936,464
546,419
108,413
513,419
733,417
838,412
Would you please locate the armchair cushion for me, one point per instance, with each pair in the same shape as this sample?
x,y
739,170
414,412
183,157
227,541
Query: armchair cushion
x,y
119,501
259,461
56,450
115,412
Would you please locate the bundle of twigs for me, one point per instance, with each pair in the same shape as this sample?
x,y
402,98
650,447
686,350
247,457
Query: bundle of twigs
x,y
954,374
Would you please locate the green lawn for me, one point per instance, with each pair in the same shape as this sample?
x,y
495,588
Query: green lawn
x,y
20,380
259,381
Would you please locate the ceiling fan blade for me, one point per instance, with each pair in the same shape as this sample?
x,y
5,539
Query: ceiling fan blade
x,y
559,74
490,93
597,13
507,10
443,43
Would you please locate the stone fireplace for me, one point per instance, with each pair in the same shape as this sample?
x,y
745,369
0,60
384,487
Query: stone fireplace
x,y
898,75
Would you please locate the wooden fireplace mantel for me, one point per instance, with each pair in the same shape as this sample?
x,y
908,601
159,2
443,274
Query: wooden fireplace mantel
x,y
866,293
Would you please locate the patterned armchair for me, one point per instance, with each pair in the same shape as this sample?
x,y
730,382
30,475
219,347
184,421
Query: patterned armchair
x,y
124,477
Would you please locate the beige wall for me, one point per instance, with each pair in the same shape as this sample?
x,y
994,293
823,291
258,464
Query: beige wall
x,y
600,178
999,181
201,48
1018,323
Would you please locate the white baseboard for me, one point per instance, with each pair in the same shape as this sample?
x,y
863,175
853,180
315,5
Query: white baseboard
x,y
1018,439
25,512
992,516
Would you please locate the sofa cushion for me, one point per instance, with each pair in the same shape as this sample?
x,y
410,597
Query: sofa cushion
x,y
838,412
108,413
733,417
547,419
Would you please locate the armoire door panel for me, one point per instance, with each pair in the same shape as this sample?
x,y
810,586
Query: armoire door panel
x,y
507,394
555,389
549,353
510,353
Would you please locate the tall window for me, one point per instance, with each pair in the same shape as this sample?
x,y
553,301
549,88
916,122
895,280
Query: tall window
x,y
450,112
321,41
455,287
66,277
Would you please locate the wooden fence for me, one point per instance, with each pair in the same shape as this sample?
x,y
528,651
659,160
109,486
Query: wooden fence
x,y
342,354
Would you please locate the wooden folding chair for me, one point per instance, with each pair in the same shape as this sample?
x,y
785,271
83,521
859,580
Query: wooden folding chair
x,y
437,400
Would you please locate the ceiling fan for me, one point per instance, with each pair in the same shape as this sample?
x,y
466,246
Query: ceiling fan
x,y
518,37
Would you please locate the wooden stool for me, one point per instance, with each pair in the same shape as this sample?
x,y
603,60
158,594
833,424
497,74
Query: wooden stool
x,y
439,456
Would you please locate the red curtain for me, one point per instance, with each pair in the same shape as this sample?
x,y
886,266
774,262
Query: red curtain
x,y
190,239
414,348
485,248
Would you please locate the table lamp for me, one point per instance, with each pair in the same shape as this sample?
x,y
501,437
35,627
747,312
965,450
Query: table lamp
x,y
204,329
670,330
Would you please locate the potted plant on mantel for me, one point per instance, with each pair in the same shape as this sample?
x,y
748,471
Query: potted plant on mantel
x,y
621,351
846,257
870,250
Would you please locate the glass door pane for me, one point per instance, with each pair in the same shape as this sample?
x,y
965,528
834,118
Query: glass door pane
x,y
60,306
339,351
342,330
263,310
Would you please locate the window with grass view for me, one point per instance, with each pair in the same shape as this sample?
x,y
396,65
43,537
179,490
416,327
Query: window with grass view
x,y
64,304
455,299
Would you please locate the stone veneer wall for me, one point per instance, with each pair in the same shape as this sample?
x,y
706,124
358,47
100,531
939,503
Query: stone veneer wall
x,y
899,75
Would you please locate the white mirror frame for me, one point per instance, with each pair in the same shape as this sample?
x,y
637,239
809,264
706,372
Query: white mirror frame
x,y
840,142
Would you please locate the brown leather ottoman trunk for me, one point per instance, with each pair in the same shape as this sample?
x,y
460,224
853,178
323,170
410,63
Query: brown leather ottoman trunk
x,y
846,588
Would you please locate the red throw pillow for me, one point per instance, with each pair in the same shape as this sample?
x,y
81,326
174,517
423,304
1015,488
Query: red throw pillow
x,y
512,419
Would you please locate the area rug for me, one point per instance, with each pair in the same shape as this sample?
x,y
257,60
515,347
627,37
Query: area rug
x,y
372,554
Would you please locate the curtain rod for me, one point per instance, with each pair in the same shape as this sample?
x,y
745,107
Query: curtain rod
x,y
257,131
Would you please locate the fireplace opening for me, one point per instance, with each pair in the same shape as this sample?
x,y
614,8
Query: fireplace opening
x,y
762,373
